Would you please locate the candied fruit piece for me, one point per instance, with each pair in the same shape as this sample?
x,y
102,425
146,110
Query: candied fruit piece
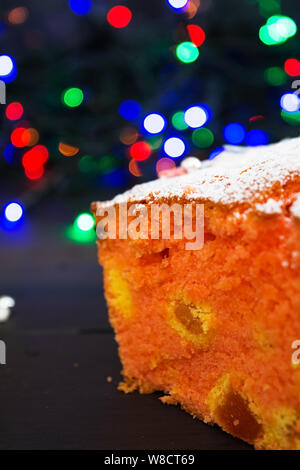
x,y
185,316
235,416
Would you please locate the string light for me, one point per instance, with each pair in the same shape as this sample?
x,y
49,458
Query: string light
x,y
119,16
72,97
196,33
256,137
154,123
234,133
290,102
14,111
292,67
80,7
195,116
202,137
130,109
140,151
187,52
174,147
13,212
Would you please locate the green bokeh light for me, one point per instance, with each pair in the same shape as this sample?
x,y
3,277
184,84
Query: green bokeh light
x,y
269,7
84,222
104,165
291,118
277,30
202,137
187,52
82,230
275,76
73,97
178,121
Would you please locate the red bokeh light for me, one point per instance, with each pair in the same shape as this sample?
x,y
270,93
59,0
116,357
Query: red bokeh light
x,y
20,137
14,111
197,35
35,158
35,174
119,16
292,67
140,151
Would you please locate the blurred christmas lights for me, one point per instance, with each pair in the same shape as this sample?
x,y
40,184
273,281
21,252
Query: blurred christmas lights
x,y
82,230
134,168
130,109
275,76
292,67
256,137
154,123
6,66
119,16
196,33
72,97
216,152
140,151
13,212
178,4
35,174
178,121
14,111
290,102
164,164
234,133
195,116
277,30
20,137
187,52
67,150
203,137
80,7
18,15
174,147
128,135
84,222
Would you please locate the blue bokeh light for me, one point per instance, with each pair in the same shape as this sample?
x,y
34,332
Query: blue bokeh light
x,y
234,133
80,7
256,137
130,109
216,152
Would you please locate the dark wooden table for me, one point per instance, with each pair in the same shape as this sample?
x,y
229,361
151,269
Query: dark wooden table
x,y
54,392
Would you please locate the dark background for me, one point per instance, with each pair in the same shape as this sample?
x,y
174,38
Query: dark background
x,y
60,349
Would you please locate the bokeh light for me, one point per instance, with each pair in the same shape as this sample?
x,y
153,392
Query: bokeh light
x,y
154,123
187,52
20,137
256,137
277,30
14,111
134,169
140,151
216,152
80,7
33,136
13,212
84,222
130,109
128,135
18,15
164,164
34,174
292,67
196,34
35,158
275,76
6,65
290,102
119,16
203,137
178,4
195,116
67,150
174,147
178,121
234,133
72,97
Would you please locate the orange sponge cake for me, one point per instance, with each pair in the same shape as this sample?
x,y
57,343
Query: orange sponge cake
x,y
213,326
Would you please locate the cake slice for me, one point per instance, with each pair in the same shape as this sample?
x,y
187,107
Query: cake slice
x,y
214,328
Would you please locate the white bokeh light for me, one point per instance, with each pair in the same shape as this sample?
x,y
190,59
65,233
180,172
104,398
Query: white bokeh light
x,y
178,3
6,65
85,222
195,117
13,212
290,102
154,123
174,147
